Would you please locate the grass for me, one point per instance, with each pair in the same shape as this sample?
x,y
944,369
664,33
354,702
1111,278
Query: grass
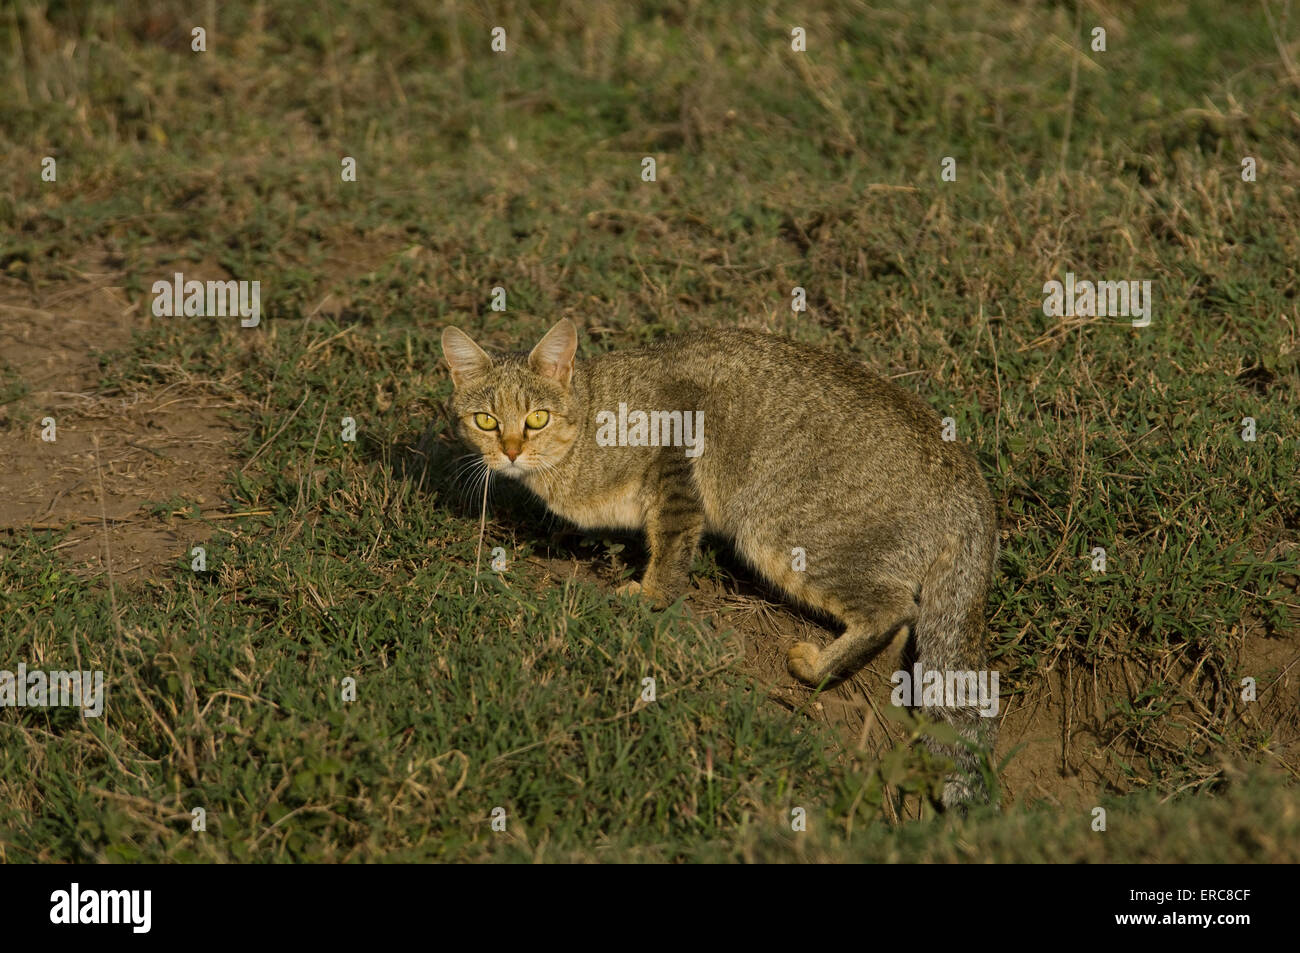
x,y
477,690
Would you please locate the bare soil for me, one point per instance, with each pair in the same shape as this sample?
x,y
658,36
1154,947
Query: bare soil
x,y
115,454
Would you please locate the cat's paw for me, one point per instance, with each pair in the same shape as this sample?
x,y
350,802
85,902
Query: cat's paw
x,y
651,594
801,661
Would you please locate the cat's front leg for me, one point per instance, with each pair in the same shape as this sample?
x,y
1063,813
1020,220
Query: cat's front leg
x,y
673,541
674,523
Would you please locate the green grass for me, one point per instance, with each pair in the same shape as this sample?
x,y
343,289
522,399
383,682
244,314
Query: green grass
x,y
523,170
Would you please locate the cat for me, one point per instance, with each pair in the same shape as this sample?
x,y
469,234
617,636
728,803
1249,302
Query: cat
x,y
835,484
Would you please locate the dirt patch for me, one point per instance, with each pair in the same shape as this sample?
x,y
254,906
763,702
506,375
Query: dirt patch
x,y
855,706
115,455
122,462
1052,730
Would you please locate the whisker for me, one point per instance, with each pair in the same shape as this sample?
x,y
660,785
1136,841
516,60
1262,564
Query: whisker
x,y
482,527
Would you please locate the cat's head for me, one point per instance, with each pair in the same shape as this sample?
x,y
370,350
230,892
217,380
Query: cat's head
x,y
518,411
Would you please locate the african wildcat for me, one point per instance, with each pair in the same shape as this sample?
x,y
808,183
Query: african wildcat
x,y
806,452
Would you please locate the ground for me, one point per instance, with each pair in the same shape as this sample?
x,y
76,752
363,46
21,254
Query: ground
x,y
328,559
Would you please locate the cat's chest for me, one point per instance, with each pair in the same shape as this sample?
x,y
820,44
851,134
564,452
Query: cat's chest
x,y
616,508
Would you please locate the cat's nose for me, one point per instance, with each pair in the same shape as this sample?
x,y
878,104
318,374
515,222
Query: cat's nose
x,y
512,452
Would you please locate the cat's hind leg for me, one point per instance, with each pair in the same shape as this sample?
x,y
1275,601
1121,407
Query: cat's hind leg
x,y
878,615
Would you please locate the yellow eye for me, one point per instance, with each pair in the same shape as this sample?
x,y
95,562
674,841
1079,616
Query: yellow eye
x,y
537,419
485,421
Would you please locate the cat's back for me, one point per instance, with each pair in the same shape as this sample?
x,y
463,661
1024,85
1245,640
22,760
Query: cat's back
x,y
735,368
773,407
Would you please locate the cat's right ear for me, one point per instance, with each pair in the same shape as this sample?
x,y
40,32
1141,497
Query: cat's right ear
x,y
465,358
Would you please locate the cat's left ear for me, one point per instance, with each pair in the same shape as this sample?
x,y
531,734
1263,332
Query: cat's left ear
x,y
553,356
